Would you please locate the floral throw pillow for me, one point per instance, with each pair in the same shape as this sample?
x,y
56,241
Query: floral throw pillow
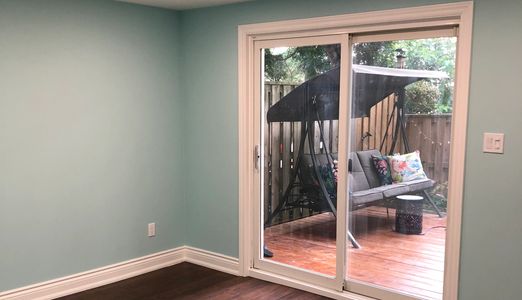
x,y
406,167
382,167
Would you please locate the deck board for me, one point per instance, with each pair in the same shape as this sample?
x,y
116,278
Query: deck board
x,y
408,263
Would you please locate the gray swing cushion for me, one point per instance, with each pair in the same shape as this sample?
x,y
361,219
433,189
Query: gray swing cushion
x,y
365,158
365,184
359,181
392,190
418,184
365,188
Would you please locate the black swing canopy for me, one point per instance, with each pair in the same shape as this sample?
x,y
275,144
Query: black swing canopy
x,y
371,85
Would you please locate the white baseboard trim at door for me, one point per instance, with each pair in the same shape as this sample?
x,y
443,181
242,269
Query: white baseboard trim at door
x,y
98,277
109,274
212,260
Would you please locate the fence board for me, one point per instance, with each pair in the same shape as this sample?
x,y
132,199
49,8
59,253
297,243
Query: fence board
x,y
430,134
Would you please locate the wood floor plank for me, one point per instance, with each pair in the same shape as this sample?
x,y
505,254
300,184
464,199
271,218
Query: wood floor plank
x,y
188,281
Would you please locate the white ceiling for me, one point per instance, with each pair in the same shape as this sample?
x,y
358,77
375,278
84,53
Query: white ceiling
x,y
183,4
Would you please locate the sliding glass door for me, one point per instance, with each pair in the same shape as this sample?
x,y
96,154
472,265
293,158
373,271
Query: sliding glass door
x,y
300,206
352,160
402,93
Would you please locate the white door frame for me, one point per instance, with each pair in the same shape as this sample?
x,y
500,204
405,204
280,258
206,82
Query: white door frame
x,y
336,282
433,16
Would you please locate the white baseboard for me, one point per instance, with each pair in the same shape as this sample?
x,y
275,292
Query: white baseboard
x,y
109,274
212,260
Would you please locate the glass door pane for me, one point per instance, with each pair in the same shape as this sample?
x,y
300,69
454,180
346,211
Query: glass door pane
x,y
401,122
299,152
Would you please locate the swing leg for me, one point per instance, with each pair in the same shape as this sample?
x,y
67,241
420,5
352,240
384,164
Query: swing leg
x,y
432,203
355,244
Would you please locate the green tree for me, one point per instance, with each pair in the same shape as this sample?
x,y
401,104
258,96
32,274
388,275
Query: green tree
x,y
380,54
302,63
421,54
437,54
421,97
275,66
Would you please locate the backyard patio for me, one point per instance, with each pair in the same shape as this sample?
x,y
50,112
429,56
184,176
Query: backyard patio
x,y
407,263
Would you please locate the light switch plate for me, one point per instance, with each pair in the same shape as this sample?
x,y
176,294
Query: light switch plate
x,y
493,142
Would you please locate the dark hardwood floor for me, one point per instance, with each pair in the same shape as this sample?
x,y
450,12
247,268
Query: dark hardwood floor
x,y
188,281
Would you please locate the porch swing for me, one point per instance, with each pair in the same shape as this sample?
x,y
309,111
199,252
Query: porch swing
x,y
317,100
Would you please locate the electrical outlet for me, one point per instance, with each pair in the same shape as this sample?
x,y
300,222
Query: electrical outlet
x,y
152,229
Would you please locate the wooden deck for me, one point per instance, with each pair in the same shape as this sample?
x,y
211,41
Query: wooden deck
x,y
407,263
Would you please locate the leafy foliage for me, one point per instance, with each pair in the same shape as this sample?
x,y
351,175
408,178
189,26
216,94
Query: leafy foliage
x,y
421,97
296,65
437,54
380,54
300,64
276,68
434,54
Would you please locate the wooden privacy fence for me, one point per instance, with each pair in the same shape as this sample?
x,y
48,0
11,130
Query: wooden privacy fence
x,y
430,134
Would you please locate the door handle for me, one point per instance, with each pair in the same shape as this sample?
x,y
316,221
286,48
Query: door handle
x,y
257,157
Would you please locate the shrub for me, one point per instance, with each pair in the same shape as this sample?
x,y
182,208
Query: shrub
x,y
421,98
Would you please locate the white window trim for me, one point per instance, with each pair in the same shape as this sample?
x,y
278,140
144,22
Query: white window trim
x,y
460,14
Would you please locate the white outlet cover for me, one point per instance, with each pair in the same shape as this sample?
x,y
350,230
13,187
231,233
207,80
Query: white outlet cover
x,y
152,229
493,142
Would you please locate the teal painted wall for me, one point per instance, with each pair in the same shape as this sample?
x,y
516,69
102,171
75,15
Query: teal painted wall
x,y
114,115
90,131
491,267
491,264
